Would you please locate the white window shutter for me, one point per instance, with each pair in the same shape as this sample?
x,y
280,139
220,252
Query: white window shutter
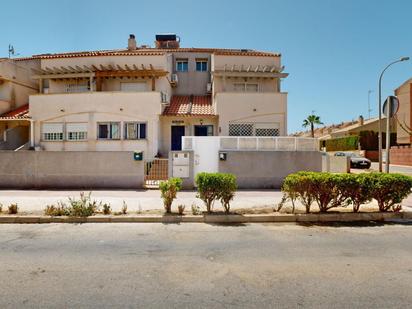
x,y
52,128
76,127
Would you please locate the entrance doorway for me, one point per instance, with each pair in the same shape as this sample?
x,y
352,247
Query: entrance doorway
x,y
204,130
177,133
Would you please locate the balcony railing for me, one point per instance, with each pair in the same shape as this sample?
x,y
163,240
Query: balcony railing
x,y
252,143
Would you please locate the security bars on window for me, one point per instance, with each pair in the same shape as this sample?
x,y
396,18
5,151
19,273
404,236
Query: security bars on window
x,y
248,129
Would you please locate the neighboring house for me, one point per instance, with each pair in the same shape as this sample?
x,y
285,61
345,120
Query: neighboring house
x,y
345,129
146,99
16,85
404,125
361,125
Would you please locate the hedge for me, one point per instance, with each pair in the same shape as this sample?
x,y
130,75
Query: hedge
x,y
333,190
367,140
342,143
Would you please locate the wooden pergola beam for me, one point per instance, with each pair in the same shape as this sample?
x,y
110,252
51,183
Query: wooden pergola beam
x,y
139,73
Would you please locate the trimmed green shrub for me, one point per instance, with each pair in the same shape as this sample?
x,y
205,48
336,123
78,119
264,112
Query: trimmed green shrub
x,y
227,190
390,189
334,190
168,190
358,189
207,188
298,186
216,186
342,143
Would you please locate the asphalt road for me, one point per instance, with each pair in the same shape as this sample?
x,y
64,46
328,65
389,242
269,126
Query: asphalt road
x,y
205,266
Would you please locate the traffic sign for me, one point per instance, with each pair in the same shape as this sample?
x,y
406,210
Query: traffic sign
x,y
394,106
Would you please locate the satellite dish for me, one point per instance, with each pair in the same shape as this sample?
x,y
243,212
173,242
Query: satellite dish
x,y
394,106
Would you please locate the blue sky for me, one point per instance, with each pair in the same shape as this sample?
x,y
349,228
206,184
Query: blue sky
x,y
334,50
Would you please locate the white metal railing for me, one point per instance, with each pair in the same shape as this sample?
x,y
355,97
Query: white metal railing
x,y
261,143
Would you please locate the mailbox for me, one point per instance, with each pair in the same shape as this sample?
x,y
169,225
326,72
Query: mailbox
x,y
138,155
222,156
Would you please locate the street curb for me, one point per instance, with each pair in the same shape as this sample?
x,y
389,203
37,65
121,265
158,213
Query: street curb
x,y
215,218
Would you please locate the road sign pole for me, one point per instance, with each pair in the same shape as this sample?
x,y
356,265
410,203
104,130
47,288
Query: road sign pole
x,y
388,133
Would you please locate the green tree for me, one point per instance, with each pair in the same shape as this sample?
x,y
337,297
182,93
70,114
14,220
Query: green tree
x,y
311,120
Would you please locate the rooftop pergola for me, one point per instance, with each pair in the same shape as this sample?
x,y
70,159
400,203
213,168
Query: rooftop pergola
x,y
250,71
99,72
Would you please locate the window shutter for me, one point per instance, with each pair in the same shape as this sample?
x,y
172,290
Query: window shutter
x,y
52,128
76,127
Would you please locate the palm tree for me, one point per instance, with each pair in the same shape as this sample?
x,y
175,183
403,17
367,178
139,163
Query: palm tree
x,y
311,121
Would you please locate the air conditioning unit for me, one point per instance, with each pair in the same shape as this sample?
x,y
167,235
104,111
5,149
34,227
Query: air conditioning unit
x,y
164,97
209,88
174,78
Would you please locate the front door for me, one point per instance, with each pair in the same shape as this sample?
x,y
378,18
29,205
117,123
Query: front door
x,y
177,133
204,130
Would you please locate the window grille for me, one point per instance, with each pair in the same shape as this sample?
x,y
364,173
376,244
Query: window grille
x,y
267,132
240,129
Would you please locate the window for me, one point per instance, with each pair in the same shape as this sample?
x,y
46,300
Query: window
x,y
82,86
52,131
109,130
133,87
135,130
267,132
201,65
252,88
240,129
182,65
76,131
246,87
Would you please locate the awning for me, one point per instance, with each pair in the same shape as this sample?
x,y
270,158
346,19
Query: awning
x,y
190,106
20,113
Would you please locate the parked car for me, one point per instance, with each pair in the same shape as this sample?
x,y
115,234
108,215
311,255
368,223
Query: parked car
x,y
356,160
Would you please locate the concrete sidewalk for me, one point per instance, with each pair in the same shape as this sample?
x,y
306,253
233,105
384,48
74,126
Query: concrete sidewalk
x,y
34,201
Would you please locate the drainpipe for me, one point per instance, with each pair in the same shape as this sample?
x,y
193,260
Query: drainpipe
x,y
31,133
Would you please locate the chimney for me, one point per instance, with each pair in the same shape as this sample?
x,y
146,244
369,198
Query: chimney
x,y
131,42
360,120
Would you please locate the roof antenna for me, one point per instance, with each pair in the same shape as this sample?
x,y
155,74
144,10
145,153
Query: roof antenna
x,y
12,51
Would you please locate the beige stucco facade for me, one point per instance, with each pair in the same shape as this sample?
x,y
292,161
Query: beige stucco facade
x,y
136,85
94,108
16,84
404,94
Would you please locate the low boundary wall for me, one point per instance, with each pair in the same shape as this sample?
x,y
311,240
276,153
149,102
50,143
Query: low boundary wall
x,y
401,156
267,169
70,169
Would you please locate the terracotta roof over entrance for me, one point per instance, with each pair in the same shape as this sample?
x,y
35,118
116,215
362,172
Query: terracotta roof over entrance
x,y
182,105
19,113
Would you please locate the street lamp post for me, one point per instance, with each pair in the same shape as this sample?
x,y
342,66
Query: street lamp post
x,y
380,108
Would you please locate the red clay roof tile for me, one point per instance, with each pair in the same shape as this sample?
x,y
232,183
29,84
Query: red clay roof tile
x,y
153,52
21,112
181,106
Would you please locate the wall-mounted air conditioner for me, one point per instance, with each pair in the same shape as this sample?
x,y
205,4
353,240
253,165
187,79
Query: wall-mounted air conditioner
x,y
174,78
209,88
